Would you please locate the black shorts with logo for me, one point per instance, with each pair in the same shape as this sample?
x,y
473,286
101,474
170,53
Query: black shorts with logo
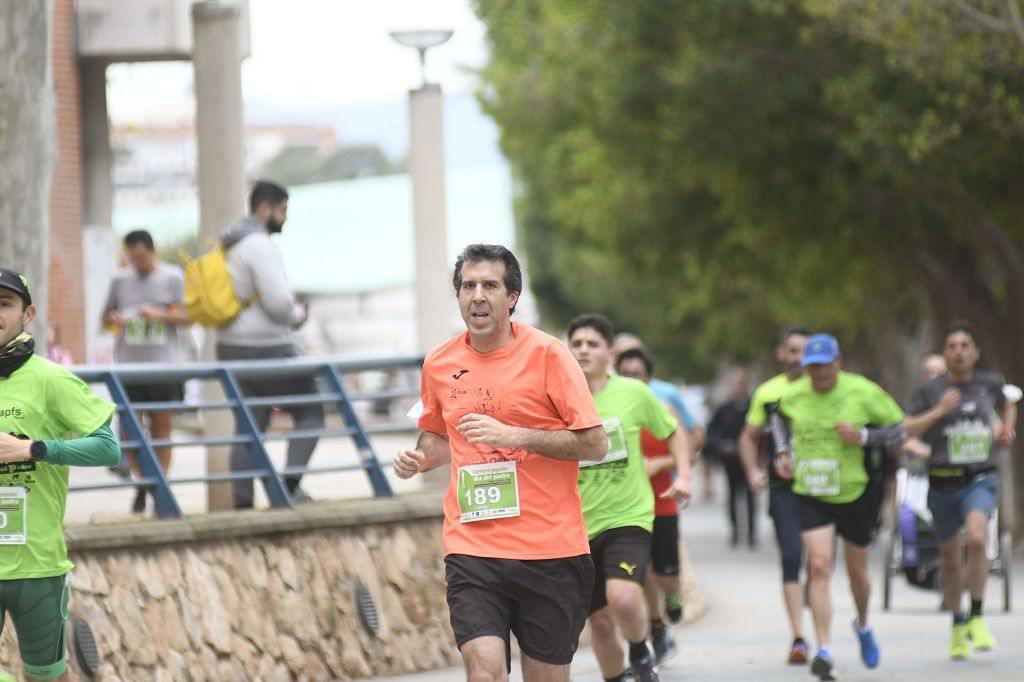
x,y
621,553
155,393
542,602
665,545
856,521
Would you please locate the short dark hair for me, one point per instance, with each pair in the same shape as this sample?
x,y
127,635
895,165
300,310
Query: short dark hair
x,y
139,237
794,330
266,191
477,253
636,354
960,326
599,323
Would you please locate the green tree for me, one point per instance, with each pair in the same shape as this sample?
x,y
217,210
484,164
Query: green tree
x,y
705,171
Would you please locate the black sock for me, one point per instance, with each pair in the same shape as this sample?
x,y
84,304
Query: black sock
x,y
638,651
656,627
621,677
975,608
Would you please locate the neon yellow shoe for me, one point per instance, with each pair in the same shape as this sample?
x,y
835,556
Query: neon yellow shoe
x,y
958,648
981,636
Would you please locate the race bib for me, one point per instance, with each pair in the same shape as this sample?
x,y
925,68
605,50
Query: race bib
x,y
616,444
142,333
488,491
819,477
969,445
13,516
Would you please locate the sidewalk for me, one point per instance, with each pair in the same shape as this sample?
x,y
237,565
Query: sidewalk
x,y
744,635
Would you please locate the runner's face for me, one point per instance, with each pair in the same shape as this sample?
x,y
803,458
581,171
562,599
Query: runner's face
x,y
634,368
484,301
961,352
13,316
823,377
590,350
790,353
140,258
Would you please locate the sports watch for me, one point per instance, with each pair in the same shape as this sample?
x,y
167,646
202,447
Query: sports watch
x,y
37,451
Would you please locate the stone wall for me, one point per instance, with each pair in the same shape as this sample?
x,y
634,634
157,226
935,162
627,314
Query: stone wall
x,y
265,595
270,595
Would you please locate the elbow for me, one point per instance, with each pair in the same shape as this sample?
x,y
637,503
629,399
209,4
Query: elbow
x,y
111,455
596,446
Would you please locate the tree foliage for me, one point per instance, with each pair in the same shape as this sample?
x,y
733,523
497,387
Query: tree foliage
x,y
705,171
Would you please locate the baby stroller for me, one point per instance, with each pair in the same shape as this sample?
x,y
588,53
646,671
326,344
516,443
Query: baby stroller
x,y
913,551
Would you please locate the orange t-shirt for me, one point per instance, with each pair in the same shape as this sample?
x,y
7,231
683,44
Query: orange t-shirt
x,y
532,382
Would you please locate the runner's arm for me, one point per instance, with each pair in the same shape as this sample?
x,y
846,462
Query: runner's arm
x,y
567,444
99,449
748,456
1007,417
919,423
682,455
432,450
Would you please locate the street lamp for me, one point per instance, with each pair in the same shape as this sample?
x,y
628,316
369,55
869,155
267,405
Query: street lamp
x,y
422,40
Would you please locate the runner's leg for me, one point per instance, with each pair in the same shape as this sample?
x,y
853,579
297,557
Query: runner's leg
x,y
535,671
611,657
860,584
820,543
977,562
484,658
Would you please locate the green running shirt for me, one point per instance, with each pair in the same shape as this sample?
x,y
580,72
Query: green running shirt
x,y
42,401
616,491
824,466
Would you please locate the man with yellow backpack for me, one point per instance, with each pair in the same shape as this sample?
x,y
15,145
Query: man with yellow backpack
x,y
261,312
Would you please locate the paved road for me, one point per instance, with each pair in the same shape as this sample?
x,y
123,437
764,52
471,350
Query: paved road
x,y
743,637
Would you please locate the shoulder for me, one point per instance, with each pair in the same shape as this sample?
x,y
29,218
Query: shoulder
x,y
770,389
446,351
989,379
172,271
125,273
629,386
801,386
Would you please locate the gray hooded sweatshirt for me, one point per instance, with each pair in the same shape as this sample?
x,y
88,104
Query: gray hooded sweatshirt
x,y
256,267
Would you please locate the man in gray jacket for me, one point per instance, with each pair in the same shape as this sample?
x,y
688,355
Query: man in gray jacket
x,y
263,329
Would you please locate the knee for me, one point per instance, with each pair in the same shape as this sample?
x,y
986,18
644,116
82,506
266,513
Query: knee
x,y
976,539
819,568
602,626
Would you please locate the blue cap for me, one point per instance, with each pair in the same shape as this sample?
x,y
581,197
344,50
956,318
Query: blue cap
x,y
821,349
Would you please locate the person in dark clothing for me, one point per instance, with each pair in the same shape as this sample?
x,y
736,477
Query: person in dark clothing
x,y
723,438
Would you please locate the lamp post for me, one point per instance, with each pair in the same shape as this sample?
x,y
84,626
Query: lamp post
x,y
426,169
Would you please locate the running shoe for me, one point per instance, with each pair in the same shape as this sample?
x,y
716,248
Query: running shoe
x,y
674,608
981,636
798,652
139,503
869,652
644,670
823,667
664,646
958,648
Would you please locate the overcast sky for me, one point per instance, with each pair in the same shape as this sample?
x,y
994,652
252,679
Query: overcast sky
x,y
317,53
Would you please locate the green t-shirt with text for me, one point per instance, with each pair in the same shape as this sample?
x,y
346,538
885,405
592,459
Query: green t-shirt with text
x,y
824,466
43,401
616,491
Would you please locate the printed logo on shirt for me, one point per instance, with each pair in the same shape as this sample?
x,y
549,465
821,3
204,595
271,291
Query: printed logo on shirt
x,y
11,413
459,375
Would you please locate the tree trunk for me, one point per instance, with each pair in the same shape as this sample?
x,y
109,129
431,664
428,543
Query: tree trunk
x,y
28,146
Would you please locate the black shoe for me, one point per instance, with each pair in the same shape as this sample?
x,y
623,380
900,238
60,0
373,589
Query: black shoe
x,y
644,670
139,505
823,668
664,645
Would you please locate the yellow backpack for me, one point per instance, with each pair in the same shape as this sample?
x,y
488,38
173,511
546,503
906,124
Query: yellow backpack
x,y
210,298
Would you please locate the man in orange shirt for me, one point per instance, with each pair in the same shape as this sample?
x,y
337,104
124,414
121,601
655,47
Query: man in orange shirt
x,y
511,409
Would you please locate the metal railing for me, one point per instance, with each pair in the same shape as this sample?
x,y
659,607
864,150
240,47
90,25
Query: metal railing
x,y
329,372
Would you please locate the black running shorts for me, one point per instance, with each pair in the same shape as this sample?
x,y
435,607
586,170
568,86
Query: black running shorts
x,y
855,521
621,553
542,602
665,545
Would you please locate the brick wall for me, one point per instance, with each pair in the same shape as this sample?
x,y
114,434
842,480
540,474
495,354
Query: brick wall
x,y
66,277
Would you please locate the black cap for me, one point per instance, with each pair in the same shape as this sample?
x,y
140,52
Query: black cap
x,y
9,279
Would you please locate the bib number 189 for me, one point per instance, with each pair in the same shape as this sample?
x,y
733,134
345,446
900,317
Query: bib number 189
x,y
488,491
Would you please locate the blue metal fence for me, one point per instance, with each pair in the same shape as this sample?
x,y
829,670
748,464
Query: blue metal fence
x,y
330,373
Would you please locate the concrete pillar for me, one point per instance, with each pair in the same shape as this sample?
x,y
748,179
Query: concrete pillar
x,y
217,61
434,293
100,244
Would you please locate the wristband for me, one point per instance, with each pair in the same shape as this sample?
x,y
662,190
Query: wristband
x,y
863,435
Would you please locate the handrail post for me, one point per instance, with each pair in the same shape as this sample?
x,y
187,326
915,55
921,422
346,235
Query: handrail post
x,y
381,487
164,502
272,483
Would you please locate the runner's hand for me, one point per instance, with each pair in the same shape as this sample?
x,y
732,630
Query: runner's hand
x,y
151,313
784,466
917,448
949,401
848,433
679,491
13,449
408,462
481,429
1005,435
758,481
